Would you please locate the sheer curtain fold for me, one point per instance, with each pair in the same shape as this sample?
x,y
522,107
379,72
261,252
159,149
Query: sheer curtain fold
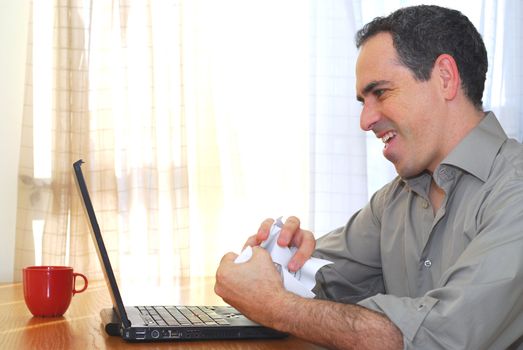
x,y
199,118
122,114
53,133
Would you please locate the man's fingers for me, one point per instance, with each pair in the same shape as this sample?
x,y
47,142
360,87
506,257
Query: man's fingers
x,y
290,228
306,244
263,231
221,272
290,234
260,253
229,257
252,241
261,235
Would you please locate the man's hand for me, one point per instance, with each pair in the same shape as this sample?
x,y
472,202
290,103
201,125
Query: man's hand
x,y
291,235
255,288
251,287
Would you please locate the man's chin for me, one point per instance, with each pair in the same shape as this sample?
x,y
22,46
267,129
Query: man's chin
x,y
405,172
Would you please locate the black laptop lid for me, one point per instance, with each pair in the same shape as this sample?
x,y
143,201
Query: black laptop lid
x,y
100,245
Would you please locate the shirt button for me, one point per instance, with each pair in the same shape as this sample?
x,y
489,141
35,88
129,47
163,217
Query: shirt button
x,y
425,204
427,263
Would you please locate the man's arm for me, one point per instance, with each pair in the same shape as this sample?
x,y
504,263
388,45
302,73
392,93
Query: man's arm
x,y
255,288
337,326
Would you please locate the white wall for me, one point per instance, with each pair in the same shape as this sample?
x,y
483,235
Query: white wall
x,y
14,16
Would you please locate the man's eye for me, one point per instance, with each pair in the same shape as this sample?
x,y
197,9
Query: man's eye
x,y
378,92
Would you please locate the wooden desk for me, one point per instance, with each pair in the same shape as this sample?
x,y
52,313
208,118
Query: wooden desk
x,y
80,327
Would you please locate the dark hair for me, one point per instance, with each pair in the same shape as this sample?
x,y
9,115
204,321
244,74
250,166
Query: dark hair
x,y
422,33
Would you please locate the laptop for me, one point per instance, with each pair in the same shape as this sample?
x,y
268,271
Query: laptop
x,y
161,323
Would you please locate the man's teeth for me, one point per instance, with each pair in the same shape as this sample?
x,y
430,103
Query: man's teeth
x,y
386,138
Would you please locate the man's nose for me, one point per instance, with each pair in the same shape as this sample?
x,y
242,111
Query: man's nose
x,y
370,115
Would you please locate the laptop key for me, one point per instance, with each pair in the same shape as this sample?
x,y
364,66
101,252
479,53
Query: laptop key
x,y
172,322
148,320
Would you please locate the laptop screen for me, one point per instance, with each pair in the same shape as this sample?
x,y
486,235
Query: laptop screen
x,y
99,243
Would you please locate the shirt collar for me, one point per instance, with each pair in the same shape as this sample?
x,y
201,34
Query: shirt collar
x,y
476,152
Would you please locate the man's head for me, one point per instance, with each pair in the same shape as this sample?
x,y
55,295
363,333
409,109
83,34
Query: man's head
x,y
422,33
419,76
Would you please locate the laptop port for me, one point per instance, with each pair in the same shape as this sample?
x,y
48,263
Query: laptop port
x,y
174,334
139,335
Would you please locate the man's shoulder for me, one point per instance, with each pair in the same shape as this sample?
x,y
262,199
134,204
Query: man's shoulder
x,y
509,162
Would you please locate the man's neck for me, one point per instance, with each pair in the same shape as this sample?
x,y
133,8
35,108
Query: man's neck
x,y
461,119
436,196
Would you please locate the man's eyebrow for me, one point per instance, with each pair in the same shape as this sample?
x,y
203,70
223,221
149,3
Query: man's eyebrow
x,y
371,86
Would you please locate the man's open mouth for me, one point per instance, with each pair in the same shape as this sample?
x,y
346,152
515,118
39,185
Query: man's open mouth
x,y
388,137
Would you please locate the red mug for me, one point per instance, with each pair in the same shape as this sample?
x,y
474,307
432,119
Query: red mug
x,y
48,289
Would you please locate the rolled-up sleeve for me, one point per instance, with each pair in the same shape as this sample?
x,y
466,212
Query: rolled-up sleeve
x,y
480,306
407,314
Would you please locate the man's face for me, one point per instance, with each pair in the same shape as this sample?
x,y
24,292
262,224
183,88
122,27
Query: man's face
x,y
407,114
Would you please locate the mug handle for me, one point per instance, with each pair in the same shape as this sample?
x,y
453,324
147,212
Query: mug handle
x,y
74,283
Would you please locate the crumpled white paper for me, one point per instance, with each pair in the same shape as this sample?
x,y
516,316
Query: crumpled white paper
x,y
300,282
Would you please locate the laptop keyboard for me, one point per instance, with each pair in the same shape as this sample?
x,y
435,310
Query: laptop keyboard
x,y
181,316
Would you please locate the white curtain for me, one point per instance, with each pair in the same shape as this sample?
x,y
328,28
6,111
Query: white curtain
x,y
191,117
199,118
338,151
502,29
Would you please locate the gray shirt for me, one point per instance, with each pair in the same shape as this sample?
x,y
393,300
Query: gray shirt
x,y
453,280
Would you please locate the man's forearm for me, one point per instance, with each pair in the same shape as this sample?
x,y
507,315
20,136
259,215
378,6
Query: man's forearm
x,y
255,288
335,325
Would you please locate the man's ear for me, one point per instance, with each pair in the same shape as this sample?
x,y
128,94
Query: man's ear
x,y
447,73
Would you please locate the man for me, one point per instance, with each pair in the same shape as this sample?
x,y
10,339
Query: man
x,y
435,260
